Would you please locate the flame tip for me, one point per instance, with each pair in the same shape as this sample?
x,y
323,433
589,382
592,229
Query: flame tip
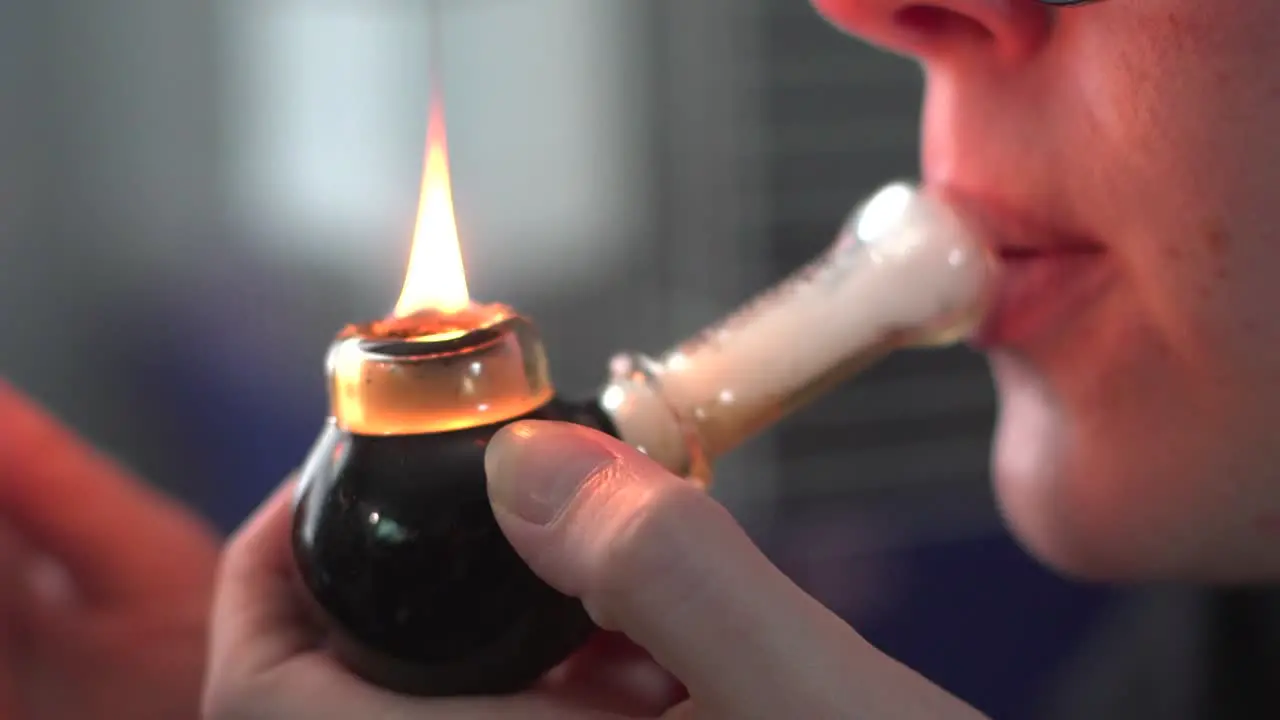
x,y
436,277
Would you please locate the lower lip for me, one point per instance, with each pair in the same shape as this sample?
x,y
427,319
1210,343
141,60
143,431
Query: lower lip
x,y
1039,295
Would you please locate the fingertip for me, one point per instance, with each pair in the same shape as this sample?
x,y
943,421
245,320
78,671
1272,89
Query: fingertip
x,y
502,457
593,520
535,469
522,441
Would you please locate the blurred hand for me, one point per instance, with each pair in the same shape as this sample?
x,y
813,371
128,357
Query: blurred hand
x,y
654,560
105,585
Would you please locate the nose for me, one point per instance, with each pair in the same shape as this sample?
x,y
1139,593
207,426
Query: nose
x,y
1010,30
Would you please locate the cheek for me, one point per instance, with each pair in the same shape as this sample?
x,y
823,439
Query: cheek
x,y
1182,100
1141,446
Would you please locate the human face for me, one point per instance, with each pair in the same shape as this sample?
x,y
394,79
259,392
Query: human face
x,y
1125,151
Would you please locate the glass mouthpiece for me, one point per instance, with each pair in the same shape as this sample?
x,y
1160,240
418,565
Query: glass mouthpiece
x,y
905,271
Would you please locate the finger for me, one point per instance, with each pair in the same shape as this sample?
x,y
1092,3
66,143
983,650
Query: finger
x,y
656,558
96,519
614,674
258,620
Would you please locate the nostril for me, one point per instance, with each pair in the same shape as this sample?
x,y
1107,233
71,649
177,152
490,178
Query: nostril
x,y
934,23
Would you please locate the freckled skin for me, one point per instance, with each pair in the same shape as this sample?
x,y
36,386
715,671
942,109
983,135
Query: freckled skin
x,y
1143,439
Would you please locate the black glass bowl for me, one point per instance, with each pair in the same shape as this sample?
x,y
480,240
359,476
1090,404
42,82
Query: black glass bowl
x,y
396,542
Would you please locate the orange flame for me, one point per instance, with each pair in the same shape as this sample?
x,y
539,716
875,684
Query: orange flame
x,y
436,279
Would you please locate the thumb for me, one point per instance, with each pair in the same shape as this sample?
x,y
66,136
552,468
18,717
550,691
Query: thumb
x,y
654,557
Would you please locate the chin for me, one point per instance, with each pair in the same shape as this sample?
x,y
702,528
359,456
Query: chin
x,y
1036,505
1123,484
1061,509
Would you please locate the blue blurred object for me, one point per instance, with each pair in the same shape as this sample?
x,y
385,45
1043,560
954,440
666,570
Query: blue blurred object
x,y
976,615
244,437
227,380
986,621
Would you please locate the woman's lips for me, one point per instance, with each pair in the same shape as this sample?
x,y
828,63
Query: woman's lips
x,y
1048,275
1039,291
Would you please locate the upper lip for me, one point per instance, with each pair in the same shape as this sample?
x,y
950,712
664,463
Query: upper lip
x,y
1015,234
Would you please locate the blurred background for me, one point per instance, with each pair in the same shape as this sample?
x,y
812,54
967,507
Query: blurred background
x,y
195,195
